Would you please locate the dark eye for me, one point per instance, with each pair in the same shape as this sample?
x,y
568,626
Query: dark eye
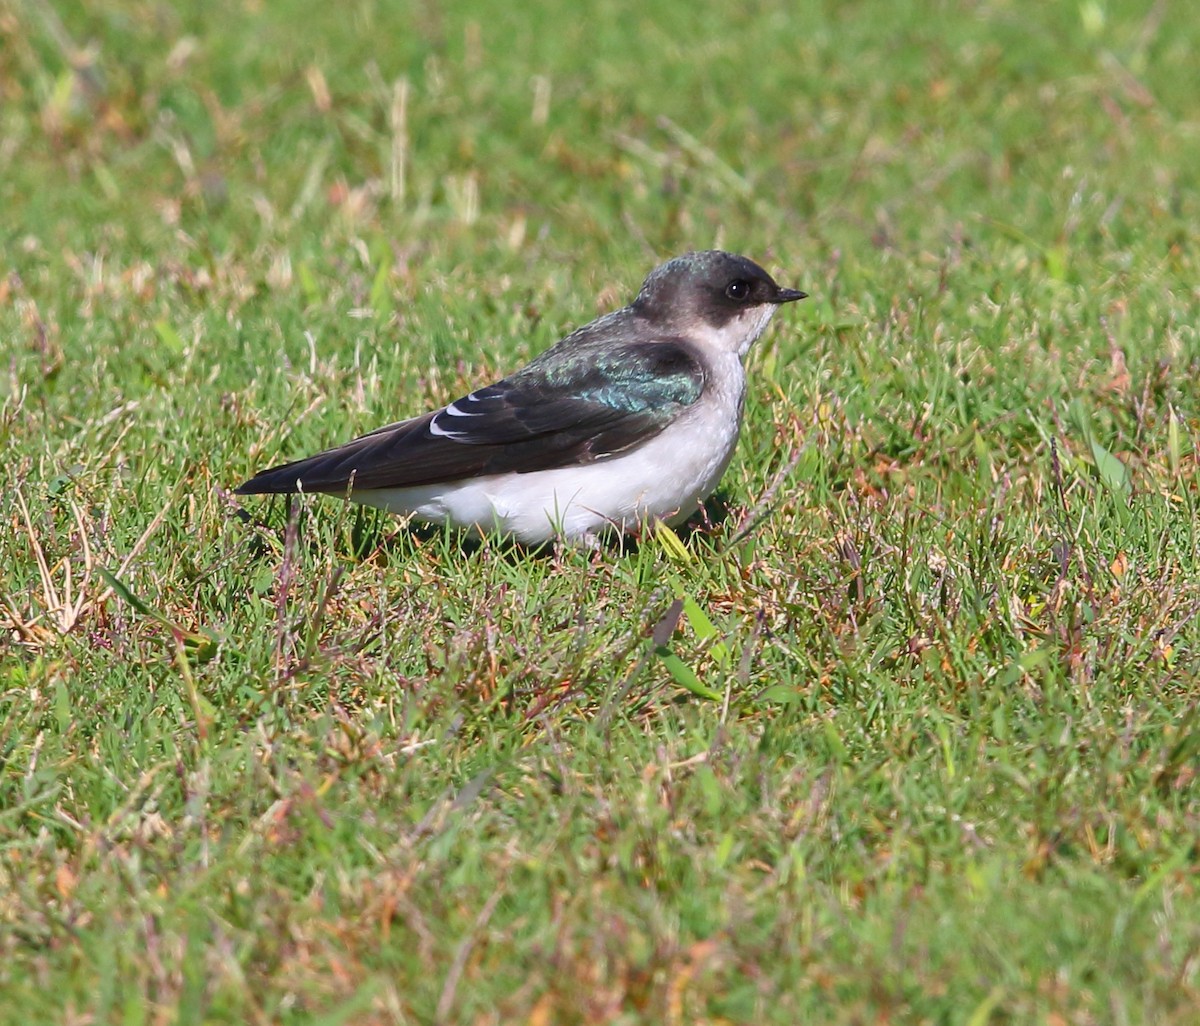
x,y
738,291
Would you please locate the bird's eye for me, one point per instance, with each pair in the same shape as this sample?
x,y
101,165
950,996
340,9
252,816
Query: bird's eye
x,y
738,291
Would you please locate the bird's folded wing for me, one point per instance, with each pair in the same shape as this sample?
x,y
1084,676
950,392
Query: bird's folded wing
x,y
551,414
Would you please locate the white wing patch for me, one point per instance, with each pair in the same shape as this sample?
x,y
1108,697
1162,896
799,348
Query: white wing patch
x,y
454,410
436,429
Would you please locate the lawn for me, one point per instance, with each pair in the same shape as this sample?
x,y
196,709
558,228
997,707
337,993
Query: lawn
x,y
905,732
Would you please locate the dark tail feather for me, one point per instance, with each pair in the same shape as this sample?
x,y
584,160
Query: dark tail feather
x,y
275,481
334,470
331,472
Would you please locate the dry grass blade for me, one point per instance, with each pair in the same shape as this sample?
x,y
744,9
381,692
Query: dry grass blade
x,y
458,965
65,607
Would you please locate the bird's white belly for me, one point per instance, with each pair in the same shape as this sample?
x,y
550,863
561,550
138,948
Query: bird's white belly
x,y
666,477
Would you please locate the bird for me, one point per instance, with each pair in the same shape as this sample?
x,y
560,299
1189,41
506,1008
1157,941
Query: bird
x,y
628,420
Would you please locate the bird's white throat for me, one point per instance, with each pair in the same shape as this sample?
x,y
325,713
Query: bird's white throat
x,y
738,334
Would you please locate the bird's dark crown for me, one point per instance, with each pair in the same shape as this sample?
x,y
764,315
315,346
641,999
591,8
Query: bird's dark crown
x,y
713,285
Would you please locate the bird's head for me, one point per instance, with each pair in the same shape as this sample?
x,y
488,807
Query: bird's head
x,y
717,298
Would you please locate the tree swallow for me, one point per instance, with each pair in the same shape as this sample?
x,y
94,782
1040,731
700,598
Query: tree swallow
x,y
633,417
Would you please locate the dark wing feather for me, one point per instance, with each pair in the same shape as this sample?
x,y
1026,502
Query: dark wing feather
x,y
556,412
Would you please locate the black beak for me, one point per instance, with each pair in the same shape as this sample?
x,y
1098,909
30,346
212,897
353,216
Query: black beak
x,y
788,295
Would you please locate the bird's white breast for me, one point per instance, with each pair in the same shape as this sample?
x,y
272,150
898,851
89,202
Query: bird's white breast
x,y
666,477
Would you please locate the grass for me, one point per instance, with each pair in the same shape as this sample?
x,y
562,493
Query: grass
x,y
312,767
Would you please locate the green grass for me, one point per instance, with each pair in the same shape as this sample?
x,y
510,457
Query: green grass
x,y
321,769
